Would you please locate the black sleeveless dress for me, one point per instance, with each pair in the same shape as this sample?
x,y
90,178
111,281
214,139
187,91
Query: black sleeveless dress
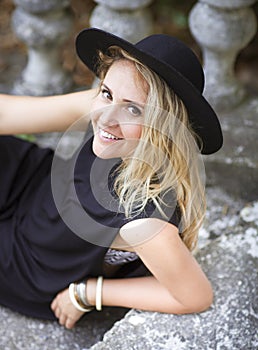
x,y
57,221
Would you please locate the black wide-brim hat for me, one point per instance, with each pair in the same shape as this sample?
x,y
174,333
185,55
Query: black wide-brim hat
x,y
173,61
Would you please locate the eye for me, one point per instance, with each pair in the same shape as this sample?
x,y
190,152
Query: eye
x,y
135,111
106,94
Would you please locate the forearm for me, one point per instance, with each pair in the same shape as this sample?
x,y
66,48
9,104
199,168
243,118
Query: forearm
x,y
26,114
175,268
144,293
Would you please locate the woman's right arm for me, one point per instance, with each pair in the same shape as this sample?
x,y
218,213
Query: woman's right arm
x,y
27,114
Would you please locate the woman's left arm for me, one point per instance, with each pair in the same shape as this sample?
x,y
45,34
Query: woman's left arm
x,y
178,284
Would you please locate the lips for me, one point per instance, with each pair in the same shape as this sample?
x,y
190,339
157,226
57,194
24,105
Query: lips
x,y
108,136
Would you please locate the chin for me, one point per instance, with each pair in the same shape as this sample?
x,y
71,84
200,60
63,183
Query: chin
x,y
103,152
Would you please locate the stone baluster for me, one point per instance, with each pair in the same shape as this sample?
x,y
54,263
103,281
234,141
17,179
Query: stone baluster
x,y
43,26
222,28
130,20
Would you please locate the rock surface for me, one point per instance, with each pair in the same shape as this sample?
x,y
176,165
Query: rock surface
x,y
235,167
18,332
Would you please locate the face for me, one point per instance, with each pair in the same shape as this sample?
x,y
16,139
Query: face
x,y
118,111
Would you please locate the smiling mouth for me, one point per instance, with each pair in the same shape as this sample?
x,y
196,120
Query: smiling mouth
x,y
107,135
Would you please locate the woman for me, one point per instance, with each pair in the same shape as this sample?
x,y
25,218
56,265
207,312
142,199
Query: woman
x,y
78,236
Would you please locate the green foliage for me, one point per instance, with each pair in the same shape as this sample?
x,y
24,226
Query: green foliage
x,y
27,137
179,18
174,12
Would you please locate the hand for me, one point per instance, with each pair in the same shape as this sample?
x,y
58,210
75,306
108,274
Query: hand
x,y
64,310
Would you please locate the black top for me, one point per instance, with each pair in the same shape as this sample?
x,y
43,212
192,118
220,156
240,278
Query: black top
x,y
54,235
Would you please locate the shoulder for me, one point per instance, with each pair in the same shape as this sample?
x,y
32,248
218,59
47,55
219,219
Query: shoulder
x,y
139,231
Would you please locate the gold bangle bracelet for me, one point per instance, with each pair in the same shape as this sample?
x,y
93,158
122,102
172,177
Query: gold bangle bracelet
x,y
74,300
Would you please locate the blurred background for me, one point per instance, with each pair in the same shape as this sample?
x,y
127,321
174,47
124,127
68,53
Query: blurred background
x,y
169,16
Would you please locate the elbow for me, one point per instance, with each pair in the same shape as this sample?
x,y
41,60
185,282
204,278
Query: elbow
x,y
202,303
205,303
196,305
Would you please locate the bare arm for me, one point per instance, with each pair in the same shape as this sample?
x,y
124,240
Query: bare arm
x,y
27,114
178,284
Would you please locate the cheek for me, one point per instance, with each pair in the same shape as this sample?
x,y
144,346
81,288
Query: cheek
x,y
133,131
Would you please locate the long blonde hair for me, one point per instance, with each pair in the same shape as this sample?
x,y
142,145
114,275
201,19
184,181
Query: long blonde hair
x,y
166,160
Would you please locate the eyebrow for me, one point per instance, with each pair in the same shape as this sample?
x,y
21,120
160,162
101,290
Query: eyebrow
x,y
125,100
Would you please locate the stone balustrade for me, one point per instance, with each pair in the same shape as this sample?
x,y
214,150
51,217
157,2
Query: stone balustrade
x,y
221,28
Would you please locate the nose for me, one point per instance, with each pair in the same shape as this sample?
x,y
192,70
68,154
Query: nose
x,y
109,116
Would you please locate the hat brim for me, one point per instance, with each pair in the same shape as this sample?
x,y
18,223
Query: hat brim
x,y
203,119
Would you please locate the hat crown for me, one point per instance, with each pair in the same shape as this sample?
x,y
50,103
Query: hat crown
x,y
176,55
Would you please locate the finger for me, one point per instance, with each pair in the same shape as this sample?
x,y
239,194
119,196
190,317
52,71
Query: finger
x,y
62,320
57,312
69,324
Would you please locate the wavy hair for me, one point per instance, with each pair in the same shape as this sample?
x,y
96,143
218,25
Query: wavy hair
x,y
166,162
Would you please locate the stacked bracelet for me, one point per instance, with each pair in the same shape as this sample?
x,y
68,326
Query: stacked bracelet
x,y
77,294
81,294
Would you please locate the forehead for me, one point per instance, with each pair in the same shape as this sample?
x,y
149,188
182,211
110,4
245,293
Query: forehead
x,y
124,76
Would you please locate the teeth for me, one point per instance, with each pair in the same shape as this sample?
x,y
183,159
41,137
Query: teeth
x,y
108,136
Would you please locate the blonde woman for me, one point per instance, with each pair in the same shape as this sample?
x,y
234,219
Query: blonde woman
x,y
115,224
